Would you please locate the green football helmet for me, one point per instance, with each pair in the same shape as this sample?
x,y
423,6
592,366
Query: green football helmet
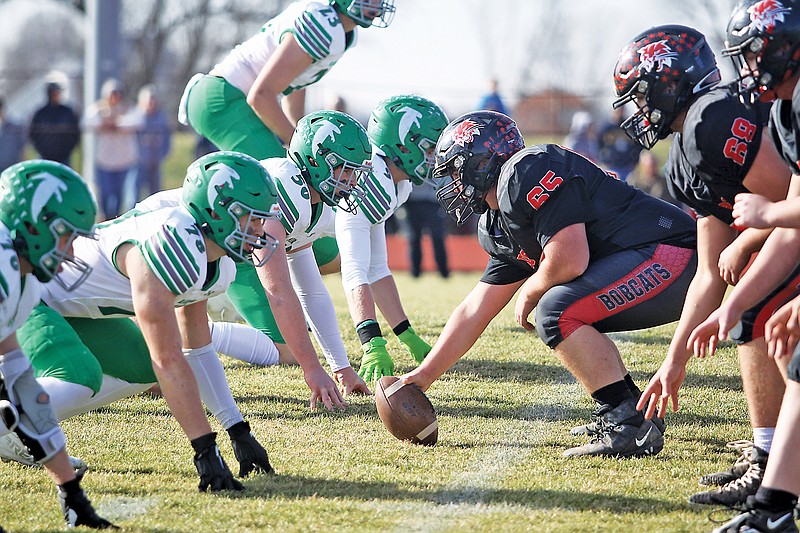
x,y
41,202
366,13
406,128
332,151
222,187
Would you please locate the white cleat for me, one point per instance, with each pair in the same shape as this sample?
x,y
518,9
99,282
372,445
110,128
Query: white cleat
x,y
12,449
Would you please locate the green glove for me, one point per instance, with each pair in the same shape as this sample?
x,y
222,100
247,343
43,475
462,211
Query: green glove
x,y
376,361
417,347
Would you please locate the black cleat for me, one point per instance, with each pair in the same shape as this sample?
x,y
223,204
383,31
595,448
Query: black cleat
x,y
734,493
760,521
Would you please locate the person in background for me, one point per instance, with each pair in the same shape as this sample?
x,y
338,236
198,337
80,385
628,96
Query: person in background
x,y
154,138
649,177
582,136
12,140
115,125
491,101
423,213
55,128
617,152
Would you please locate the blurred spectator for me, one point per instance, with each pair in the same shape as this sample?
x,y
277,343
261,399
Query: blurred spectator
x,y
115,124
55,128
337,103
154,143
649,177
12,140
423,212
203,146
582,136
618,152
491,100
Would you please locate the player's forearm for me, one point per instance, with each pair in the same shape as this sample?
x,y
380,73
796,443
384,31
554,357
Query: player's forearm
x,y
266,107
704,295
388,299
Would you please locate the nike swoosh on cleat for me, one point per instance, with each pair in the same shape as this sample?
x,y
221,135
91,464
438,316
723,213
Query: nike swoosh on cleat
x,y
773,523
639,442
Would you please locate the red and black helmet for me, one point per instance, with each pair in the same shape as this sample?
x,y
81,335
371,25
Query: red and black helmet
x,y
662,70
768,33
470,152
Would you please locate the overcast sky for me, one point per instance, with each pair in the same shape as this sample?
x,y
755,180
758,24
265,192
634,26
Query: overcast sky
x,y
447,50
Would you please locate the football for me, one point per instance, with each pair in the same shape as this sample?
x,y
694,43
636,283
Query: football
x,y
405,411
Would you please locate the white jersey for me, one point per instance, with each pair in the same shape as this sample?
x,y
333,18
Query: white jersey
x,y
383,195
303,221
316,27
172,246
18,295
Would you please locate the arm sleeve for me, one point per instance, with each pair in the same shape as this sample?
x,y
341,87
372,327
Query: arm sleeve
x,y
318,307
379,259
354,240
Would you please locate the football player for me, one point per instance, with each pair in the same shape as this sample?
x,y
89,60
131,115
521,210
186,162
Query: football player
x,y
328,159
763,39
403,131
44,207
558,230
237,106
160,266
718,151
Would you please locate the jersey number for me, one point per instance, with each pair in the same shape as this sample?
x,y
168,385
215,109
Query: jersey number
x,y
736,146
539,194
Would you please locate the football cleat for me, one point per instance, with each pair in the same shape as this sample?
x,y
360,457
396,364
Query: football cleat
x,y
760,521
12,450
593,428
623,433
734,494
737,470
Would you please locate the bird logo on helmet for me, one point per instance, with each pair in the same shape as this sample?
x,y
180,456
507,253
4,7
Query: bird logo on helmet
x,y
766,14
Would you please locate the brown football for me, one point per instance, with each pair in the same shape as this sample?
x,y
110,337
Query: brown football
x,y
405,411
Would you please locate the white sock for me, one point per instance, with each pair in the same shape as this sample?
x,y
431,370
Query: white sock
x,y
70,399
244,343
762,438
213,385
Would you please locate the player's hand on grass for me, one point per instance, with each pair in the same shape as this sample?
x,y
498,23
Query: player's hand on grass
x,y
782,330
323,389
663,388
349,382
249,452
417,347
214,473
376,361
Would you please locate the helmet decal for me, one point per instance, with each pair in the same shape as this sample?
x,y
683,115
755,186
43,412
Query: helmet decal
x,y
657,54
766,14
47,186
222,175
326,129
465,132
410,117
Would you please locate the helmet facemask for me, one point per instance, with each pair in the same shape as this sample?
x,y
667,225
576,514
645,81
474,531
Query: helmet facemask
x,y
366,13
343,187
751,83
241,237
49,264
459,199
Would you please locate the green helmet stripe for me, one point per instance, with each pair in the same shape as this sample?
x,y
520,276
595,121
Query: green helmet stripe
x,y
168,257
312,37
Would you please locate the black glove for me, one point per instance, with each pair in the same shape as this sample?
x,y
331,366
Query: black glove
x,y
248,451
77,508
214,473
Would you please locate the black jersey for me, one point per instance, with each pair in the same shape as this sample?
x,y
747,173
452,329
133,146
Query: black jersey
x,y
710,158
784,123
545,188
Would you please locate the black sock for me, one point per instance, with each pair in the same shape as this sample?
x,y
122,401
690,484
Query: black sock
x,y
368,330
774,499
71,487
613,394
401,327
636,391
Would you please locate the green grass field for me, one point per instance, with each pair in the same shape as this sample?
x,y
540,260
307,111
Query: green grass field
x,y
504,416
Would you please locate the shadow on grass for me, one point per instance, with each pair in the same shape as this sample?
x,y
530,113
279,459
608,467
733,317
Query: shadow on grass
x,y
294,487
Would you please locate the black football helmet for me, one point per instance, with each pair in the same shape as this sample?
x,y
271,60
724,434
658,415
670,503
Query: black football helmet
x,y
469,154
767,33
662,70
